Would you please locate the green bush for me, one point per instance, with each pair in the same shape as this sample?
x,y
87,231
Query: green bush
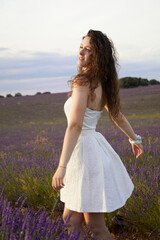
x,y
130,82
18,94
9,95
154,82
144,82
46,93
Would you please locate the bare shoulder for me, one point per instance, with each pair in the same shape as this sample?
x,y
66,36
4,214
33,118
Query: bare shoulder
x,y
82,88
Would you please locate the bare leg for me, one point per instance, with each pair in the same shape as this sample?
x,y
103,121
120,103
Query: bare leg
x,y
75,223
97,224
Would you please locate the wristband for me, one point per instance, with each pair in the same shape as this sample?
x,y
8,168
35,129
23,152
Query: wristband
x,y
136,142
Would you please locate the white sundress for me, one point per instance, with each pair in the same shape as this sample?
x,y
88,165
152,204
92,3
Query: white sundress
x,y
96,179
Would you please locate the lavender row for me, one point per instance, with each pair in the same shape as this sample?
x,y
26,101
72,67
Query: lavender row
x,y
28,171
31,137
23,223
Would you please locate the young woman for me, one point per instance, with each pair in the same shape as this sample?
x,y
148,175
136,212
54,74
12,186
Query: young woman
x,y
91,176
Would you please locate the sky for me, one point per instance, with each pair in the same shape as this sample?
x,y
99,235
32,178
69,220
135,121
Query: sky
x,y
39,40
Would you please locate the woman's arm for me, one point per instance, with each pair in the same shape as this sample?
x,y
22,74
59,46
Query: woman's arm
x,y
79,104
125,126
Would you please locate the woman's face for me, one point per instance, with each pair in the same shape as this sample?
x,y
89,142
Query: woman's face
x,y
84,52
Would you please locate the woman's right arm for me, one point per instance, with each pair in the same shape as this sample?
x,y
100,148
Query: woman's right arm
x,y
125,127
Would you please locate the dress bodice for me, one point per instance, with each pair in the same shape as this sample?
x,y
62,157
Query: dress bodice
x,y
91,117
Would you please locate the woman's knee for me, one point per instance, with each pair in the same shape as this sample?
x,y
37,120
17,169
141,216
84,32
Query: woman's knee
x,y
94,220
96,224
66,215
72,217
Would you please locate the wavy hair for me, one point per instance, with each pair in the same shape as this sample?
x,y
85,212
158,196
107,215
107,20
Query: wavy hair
x,y
101,69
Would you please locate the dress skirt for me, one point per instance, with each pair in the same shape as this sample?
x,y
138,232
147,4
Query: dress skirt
x,y
96,179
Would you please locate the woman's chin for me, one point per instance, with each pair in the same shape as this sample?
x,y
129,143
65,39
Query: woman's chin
x,y
81,65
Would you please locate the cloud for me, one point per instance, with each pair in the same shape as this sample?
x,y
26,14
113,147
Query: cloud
x,y
34,80
43,71
36,71
33,85
146,69
4,49
37,65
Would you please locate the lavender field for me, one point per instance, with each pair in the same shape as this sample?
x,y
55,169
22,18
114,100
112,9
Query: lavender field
x,y
31,136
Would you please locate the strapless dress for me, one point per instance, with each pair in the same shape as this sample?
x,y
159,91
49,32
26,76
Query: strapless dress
x,y
96,180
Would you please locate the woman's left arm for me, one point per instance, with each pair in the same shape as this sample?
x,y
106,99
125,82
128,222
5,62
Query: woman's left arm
x,y
125,126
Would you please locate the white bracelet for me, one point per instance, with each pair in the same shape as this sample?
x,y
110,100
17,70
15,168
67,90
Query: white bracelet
x,y
136,142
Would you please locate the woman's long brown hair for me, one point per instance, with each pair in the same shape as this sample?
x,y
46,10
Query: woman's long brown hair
x,y
102,69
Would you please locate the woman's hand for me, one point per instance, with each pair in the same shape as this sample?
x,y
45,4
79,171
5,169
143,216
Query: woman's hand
x,y
57,180
137,148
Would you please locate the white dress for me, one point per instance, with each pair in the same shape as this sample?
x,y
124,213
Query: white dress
x,y
96,179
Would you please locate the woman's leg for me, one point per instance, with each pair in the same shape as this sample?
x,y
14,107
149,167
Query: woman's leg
x,y
97,225
75,222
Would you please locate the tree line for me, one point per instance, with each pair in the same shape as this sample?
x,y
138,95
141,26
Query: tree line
x,y
130,82
126,82
20,95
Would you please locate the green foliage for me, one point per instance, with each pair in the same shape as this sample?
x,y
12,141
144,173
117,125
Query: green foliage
x,y
130,82
33,182
143,82
46,93
154,82
9,95
1,96
18,94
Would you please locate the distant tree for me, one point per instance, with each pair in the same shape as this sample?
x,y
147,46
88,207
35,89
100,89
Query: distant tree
x,y
123,83
38,93
1,96
9,95
18,94
129,82
154,82
46,93
144,82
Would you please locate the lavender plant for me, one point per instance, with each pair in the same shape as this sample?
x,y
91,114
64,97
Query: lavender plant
x,y
31,136
23,223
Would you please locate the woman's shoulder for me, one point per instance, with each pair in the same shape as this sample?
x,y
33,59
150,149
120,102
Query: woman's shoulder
x,y
81,88
81,84
79,81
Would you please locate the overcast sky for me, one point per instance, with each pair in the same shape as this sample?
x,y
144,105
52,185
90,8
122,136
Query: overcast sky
x,y
39,40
